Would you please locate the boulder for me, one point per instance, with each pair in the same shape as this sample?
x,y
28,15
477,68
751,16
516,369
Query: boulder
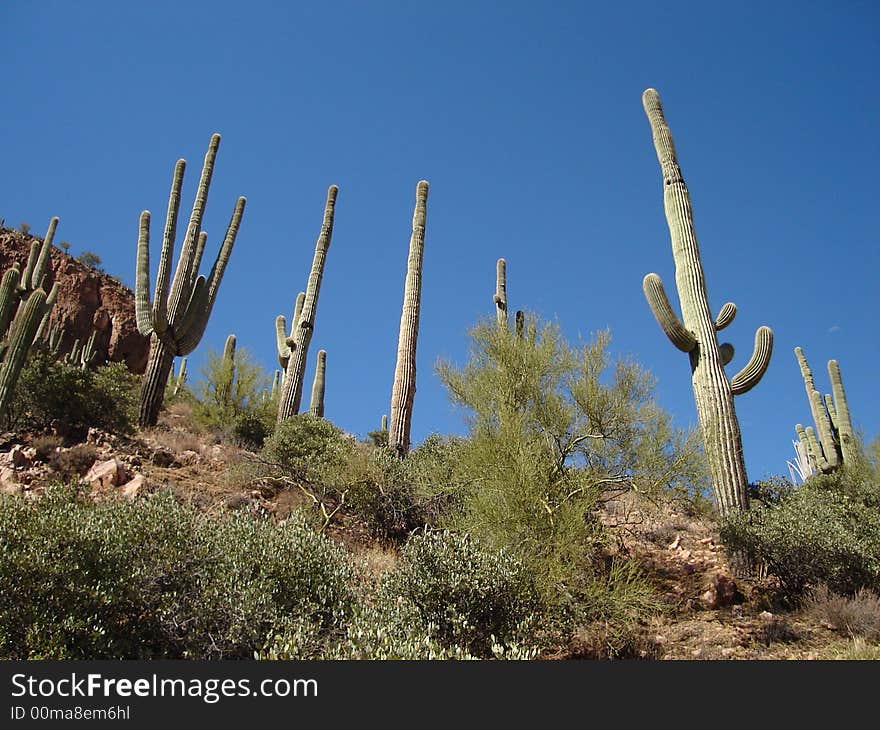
x,y
106,474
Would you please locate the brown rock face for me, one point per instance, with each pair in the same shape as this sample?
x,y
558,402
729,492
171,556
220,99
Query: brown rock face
x,y
87,300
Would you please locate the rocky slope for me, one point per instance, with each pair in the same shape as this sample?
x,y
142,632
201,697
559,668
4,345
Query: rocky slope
x,y
87,299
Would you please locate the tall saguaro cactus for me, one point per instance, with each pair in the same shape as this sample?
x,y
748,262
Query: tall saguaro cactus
x,y
304,324
834,442
697,333
316,406
500,297
175,320
404,390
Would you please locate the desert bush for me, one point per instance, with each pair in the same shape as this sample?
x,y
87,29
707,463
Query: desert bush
x,y
825,531
393,496
555,430
857,615
157,579
448,598
230,399
73,462
309,449
51,393
467,594
46,446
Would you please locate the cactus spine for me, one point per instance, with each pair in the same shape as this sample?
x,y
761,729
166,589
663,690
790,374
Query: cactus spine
x,y
404,390
833,443
304,324
697,334
500,297
316,407
175,319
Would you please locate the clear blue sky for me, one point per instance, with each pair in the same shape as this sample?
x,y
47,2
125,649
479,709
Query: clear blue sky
x,y
526,118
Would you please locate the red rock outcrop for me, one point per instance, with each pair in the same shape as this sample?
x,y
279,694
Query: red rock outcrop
x,y
87,299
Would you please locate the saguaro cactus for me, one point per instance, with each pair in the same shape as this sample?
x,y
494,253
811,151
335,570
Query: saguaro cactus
x,y
500,297
316,407
697,334
404,390
227,372
180,378
833,442
15,348
304,325
176,319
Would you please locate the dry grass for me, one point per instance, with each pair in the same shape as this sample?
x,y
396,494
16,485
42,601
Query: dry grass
x,y
857,616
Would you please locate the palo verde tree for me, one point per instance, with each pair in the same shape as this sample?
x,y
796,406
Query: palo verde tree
x,y
553,430
697,332
175,320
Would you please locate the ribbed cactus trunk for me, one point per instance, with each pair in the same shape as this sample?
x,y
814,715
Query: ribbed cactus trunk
x,y
697,334
500,297
404,390
316,406
21,336
155,380
291,390
176,317
849,445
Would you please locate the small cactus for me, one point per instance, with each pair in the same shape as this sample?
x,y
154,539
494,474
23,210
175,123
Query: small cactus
x,y
833,443
316,407
500,297
179,379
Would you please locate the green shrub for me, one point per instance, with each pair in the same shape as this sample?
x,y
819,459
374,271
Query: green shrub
x,y
51,393
448,598
156,579
825,531
461,593
309,449
393,496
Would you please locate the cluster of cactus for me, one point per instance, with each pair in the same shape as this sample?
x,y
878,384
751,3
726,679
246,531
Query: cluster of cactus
x,y
24,312
404,388
696,332
176,317
82,355
293,348
500,299
833,443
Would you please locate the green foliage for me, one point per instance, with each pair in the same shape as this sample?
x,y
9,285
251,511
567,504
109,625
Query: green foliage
x,y
155,579
554,430
394,496
308,449
229,398
24,227
54,393
825,531
448,598
90,259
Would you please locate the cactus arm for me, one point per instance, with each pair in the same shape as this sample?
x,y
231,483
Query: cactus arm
x,y
500,297
832,411
24,330
229,349
163,276
725,316
25,281
802,436
677,333
754,370
219,267
316,405
815,447
281,340
39,272
195,319
200,250
849,445
184,276
8,299
50,302
297,311
727,351
143,311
